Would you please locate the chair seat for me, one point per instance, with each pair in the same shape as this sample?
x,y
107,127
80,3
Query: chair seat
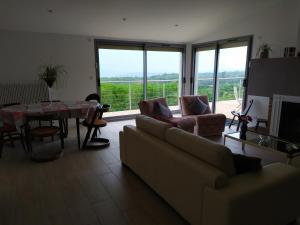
x,y
235,113
7,128
97,123
45,131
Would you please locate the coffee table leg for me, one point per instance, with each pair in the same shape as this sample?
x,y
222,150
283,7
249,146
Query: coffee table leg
x,y
78,132
243,147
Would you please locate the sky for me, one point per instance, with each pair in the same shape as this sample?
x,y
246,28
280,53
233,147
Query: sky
x,y
113,62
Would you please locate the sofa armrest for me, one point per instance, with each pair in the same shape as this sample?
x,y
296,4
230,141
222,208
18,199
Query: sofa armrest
x,y
122,147
271,196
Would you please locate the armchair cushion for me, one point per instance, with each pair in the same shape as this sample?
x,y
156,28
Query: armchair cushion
x,y
197,106
147,106
158,109
185,102
161,110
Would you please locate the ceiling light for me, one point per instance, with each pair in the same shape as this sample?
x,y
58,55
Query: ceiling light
x,y
124,19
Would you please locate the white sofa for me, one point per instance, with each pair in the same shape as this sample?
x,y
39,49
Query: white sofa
x,y
197,178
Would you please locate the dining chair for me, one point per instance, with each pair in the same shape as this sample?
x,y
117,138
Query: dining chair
x,y
93,97
44,132
239,114
96,122
9,132
64,121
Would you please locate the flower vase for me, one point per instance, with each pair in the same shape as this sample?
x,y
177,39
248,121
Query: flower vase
x,y
243,131
50,94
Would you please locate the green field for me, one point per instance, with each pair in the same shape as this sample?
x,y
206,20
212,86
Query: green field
x,y
124,93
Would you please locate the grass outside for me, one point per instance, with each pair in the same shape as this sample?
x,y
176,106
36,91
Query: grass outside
x,y
125,96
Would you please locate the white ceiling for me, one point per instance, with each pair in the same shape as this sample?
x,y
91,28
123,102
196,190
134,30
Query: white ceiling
x,y
146,19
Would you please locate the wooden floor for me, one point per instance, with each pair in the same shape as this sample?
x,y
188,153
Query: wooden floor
x,y
84,187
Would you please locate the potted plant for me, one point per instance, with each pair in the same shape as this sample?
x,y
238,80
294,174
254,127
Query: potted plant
x,y
263,51
49,74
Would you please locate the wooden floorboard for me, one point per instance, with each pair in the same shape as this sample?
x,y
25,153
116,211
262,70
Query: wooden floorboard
x,y
85,187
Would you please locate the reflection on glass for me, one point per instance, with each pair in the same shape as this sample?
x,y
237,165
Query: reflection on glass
x,y
163,76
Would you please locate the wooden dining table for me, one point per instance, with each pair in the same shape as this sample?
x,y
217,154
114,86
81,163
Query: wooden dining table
x,y
18,115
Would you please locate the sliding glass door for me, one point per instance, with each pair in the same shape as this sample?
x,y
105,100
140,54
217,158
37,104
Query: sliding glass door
x,y
220,73
204,73
130,72
164,72
121,78
230,77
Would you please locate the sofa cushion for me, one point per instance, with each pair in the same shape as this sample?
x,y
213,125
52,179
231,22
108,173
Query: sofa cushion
x,y
152,126
161,110
215,154
244,164
197,106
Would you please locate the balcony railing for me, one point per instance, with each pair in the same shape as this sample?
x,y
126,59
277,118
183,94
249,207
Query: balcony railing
x,y
124,95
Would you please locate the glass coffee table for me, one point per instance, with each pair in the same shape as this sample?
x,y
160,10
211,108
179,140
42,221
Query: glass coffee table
x,y
291,150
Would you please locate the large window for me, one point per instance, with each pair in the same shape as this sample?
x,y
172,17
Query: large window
x,y
129,72
220,72
121,78
164,75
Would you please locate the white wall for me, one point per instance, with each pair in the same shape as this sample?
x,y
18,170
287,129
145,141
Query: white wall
x,y
277,26
23,52
298,41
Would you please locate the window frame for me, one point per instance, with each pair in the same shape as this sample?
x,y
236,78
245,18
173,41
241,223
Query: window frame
x,y
145,46
217,45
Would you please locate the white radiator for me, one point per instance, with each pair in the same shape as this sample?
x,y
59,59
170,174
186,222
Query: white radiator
x,y
24,93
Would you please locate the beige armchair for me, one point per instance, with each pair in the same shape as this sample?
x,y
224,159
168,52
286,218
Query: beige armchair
x,y
147,108
207,124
